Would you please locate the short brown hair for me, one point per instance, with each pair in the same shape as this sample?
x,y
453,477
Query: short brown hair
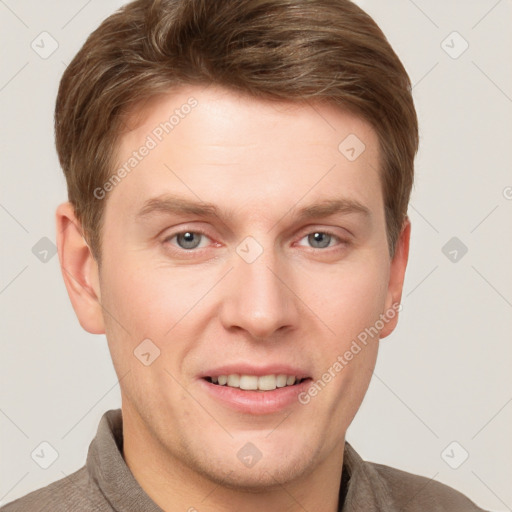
x,y
285,50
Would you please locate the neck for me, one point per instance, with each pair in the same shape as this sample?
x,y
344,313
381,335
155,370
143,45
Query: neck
x,y
175,486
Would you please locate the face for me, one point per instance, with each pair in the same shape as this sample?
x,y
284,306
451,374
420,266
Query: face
x,y
245,245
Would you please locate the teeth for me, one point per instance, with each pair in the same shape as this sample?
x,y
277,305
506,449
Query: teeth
x,y
267,383
281,381
249,382
253,382
234,381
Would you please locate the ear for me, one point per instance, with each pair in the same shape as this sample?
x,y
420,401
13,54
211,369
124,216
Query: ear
x,y
79,270
396,277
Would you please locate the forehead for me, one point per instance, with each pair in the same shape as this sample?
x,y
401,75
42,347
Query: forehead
x,y
213,143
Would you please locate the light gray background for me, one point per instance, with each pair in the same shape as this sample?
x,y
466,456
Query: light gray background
x,y
443,376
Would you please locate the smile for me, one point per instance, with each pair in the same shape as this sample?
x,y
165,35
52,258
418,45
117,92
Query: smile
x,y
255,394
254,382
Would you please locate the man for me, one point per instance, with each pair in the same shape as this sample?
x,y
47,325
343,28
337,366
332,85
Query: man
x,y
238,177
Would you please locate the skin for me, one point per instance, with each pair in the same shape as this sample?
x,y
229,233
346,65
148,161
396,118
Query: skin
x,y
299,303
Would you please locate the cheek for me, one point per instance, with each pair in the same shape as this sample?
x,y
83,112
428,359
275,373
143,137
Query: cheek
x,y
144,305
347,299
150,300
351,308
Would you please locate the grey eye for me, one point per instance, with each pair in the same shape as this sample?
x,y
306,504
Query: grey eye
x,y
186,240
320,238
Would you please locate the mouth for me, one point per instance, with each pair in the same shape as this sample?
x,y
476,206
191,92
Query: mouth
x,y
255,382
251,394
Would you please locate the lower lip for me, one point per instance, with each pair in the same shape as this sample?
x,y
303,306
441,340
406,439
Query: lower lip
x,y
256,402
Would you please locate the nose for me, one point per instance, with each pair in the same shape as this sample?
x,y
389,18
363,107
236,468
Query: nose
x,y
258,296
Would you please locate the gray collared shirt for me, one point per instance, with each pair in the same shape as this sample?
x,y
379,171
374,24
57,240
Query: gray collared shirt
x,y
105,484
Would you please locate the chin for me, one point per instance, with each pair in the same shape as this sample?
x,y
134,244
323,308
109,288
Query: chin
x,y
272,470
255,480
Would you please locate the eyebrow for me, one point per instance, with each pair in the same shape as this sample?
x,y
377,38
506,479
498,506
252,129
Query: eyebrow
x,y
175,205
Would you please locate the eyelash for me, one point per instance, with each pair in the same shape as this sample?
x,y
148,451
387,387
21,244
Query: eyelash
x,y
341,244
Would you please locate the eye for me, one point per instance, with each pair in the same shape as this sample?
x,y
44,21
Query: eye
x,y
321,239
187,240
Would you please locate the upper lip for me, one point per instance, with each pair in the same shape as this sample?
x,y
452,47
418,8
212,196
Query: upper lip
x,y
259,371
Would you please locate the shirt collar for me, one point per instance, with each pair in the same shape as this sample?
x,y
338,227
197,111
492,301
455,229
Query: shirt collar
x,y
110,472
366,490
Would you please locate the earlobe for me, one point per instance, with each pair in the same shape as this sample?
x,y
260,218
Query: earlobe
x,y
396,279
79,270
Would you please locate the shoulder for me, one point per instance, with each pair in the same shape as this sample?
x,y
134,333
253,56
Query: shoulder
x,y
74,492
414,493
